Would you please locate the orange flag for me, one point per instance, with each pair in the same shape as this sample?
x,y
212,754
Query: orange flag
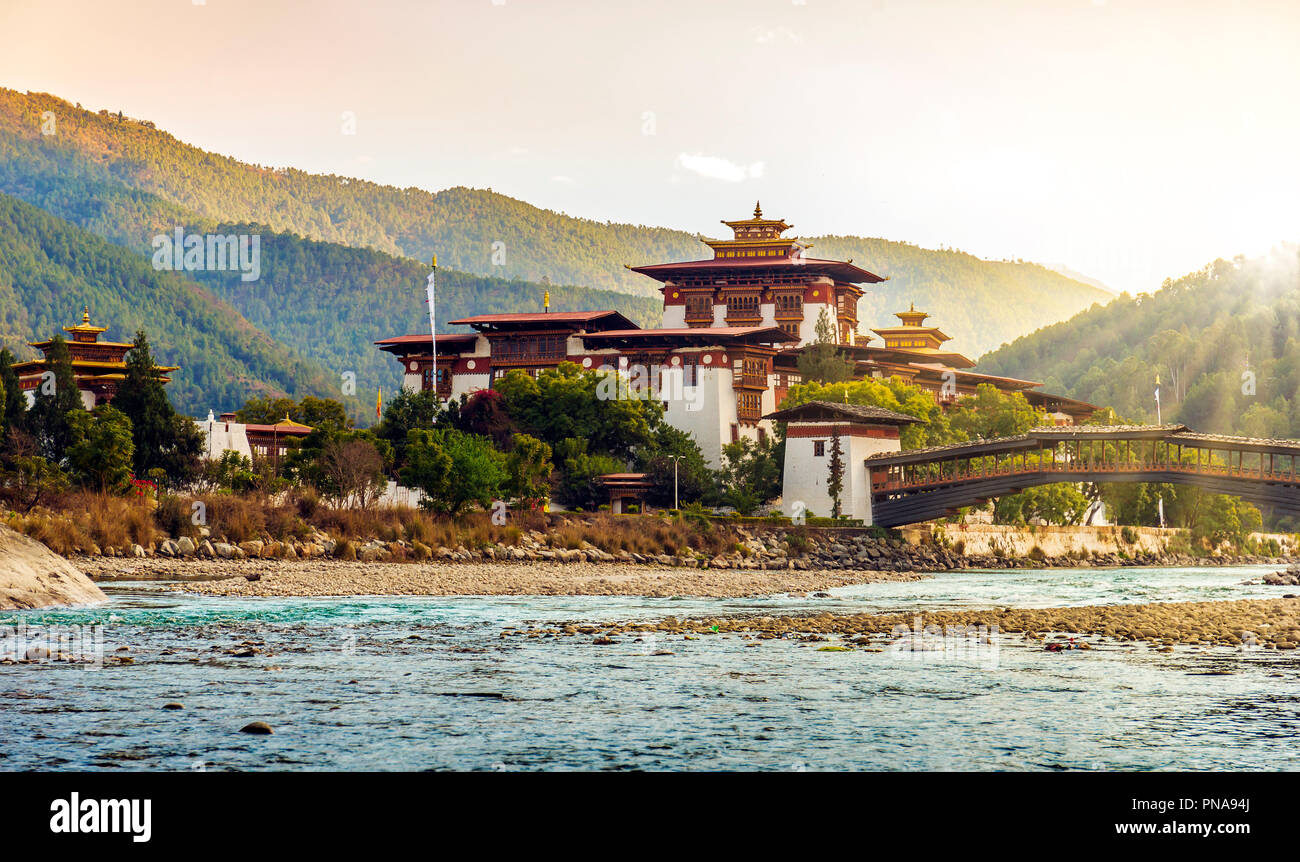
x,y
379,404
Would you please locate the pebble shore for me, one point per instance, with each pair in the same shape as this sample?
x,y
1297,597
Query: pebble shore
x,y
338,578
1258,623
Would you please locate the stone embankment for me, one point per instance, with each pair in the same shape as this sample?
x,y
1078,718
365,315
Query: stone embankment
x,y
756,549
33,576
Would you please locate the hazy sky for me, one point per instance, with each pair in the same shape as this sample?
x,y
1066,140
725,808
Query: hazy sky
x,y
1128,139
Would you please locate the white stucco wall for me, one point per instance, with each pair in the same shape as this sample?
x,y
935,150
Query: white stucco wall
x,y
464,384
706,412
805,475
674,317
812,312
219,436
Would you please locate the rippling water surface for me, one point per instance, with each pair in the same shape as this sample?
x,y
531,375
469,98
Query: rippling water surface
x,y
429,683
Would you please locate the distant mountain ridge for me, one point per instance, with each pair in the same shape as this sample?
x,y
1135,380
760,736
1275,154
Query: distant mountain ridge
x,y
50,269
146,171
1224,343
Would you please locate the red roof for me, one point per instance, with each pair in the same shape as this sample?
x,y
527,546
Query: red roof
x,y
842,270
555,317
698,333
449,342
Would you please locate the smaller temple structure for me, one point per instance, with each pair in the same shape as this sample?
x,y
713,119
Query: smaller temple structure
x,y
626,490
809,436
255,442
98,366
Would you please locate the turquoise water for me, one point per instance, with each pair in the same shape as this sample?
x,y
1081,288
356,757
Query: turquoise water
x,y
428,683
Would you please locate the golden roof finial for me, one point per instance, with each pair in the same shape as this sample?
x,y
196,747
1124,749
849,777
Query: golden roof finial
x,y
758,209
85,315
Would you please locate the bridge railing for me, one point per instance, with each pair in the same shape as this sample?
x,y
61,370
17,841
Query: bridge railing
x,y
937,472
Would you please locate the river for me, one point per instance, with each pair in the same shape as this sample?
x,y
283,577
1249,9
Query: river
x,y
429,683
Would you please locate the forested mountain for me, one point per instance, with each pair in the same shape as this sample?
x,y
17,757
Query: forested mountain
x,y
50,269
980,303
1224,341
121,164
329,302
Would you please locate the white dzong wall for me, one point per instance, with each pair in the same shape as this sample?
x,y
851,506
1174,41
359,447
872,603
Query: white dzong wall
x,y
806,474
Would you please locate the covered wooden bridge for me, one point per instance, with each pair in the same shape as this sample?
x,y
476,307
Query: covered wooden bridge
x,y
923,484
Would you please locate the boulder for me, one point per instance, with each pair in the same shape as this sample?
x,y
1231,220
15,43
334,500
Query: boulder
x,y
185,546
33,576
224,551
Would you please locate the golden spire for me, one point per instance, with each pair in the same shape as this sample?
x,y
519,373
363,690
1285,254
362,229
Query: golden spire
x,y
85,316
758,209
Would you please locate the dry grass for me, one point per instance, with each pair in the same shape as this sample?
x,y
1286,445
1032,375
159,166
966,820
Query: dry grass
x,y
85,520
82,520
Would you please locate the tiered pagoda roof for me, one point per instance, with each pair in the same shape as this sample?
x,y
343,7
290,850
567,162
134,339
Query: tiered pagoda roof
x,y
98,366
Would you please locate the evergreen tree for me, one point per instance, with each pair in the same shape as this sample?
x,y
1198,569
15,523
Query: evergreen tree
x,y
99,448
821,361
835,481
56,397
163,440
15,405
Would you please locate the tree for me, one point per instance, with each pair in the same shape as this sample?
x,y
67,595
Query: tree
x,y
56,396
323,413
13,406
344,466
835,479
29,480
934,429
230,472
1061,504
822,361
674,461
163,440
100,448
407,411
484,413
351,469
454,470
579,470
528,470
992,413
568,402
751,473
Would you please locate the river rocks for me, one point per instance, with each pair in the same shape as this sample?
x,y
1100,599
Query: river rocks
x,y
1242,624
173,705
253,547
224,551
33,576
185,546
257,727
1289,578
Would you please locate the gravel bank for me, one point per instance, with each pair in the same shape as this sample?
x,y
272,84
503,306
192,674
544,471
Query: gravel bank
x,y
338,578
1264,623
